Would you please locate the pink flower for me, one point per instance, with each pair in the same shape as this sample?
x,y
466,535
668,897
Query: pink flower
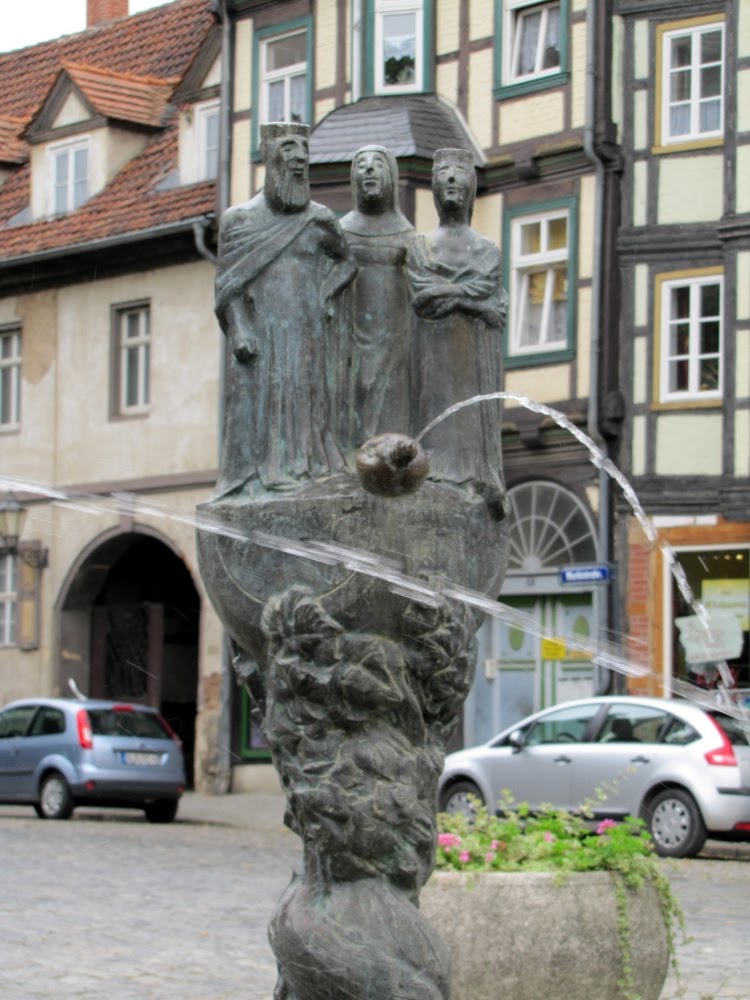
x,y
606,824
495,844
489,857
448,840
464,856
549,837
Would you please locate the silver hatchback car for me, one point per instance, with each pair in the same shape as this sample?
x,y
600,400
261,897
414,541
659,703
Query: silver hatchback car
x,y
59,753
684,769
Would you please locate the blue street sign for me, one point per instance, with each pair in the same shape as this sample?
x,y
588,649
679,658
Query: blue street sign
x,y
585,574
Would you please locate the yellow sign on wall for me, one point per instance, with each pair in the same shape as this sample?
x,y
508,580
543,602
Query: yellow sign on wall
x,y
553,649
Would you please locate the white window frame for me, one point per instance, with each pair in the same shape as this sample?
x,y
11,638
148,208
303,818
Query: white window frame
x,y
695,134
384,8
523,265
694,355
140,346
10,380
68,149
513,13
8,600
285,74
358,52
204,112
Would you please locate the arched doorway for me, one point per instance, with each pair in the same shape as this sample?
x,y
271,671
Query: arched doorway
x,y
129,628
518,671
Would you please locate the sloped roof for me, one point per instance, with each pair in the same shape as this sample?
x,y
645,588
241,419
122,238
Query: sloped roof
x,y
408,124
124,67
123,96
12,148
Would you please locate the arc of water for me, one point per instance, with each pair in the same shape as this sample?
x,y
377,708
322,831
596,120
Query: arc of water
x,y
601,461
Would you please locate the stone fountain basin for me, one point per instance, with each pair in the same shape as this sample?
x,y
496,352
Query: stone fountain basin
x,y
437,533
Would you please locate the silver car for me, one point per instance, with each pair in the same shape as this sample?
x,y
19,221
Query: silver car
x,y
684,769
59,753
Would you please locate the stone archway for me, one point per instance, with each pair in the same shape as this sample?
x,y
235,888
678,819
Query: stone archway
x,y
129,620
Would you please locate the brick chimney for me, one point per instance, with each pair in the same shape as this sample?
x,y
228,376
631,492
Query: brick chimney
x,y
99,11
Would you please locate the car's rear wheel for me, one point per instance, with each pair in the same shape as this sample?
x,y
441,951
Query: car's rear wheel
x,y
55,800
161,811
461,797
675,823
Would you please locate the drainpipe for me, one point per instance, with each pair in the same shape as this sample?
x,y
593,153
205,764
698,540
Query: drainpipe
x,y
590,148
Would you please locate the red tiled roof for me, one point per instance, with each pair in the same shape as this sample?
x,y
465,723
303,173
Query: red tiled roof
x,y
127,67
12,148
139,99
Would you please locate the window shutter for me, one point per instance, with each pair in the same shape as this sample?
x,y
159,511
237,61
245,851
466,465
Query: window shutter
x,y
29,601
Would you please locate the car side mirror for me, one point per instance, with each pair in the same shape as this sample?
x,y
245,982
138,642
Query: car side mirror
x,y
516,740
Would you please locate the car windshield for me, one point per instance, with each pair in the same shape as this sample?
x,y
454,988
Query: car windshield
x,y
127,722
736,731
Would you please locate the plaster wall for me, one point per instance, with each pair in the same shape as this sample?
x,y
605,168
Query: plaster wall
x,y
640,370
742,443
322,108
545,385
481,20
72,112
179,433
240,163
703,456
29,452
583,343
326,28
743,170
743,285
481,112
640,292
446,22
641,67
742,365
743,29
446,81
640,193
487,219
578,75
638,457
529,117
586,210
640,119
691,189
243,49
425,213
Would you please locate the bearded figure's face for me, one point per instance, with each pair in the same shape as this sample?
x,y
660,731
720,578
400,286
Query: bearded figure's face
x,y
287,184
371,175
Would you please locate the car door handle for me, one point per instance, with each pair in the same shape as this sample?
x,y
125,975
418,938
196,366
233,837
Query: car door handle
x,y
562,760
640,760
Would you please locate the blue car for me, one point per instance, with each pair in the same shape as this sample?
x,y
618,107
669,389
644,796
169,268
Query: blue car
x,y
59,753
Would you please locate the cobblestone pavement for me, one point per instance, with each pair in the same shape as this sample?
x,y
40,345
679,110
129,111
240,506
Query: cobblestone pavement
x,y
109,907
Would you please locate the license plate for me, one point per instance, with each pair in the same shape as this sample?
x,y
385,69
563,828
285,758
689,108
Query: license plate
x,y
140,758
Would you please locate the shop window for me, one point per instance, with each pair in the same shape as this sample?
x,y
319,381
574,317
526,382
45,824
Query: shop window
x,y
690,82
720,579
690,336
531,45
540,279
10,379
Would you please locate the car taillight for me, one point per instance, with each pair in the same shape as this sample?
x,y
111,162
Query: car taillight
x,y
171,731
742,827
722,756
85,736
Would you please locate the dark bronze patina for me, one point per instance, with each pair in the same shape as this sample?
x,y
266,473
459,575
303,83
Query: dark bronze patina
x,y
357,687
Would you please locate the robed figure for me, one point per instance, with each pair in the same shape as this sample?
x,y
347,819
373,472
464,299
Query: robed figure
x,y
282,263
376,396
455,278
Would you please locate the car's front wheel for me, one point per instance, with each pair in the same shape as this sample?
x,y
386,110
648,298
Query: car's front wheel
x,y
55,800
675,823
161,811
461,797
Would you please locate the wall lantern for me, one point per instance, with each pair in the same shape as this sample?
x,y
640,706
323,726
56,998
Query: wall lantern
x,y
12,519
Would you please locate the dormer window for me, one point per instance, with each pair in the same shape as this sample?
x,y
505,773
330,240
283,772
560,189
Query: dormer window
x,y
208,139
69,175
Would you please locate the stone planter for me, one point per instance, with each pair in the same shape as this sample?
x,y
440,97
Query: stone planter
x,y
526,935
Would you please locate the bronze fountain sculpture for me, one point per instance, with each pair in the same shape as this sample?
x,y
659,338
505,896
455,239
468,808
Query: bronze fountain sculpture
x,y
344,340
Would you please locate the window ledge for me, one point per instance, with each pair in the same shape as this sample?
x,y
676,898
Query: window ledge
x,y
530,86
695,403
542,358
689,146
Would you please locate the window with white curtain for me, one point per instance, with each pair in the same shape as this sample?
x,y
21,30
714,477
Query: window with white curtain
x,y
690,336
540,254
283,77
10,378
691,103
69,176
532,40
8,600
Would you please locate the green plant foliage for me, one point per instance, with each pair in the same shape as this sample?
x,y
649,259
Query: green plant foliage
x,y
553,840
